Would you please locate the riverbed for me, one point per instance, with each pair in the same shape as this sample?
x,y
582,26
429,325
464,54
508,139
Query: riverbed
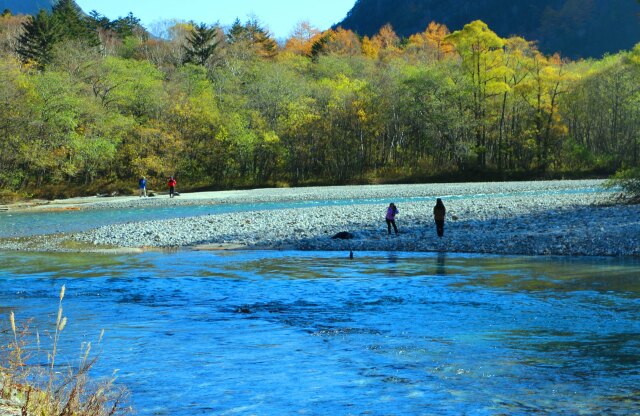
x,y
529,218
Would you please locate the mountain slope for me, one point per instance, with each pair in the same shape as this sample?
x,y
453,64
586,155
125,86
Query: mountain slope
x,y
26,6
575,28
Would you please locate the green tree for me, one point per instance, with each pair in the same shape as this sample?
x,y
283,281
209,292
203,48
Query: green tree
x,y
41,33
629,181
127,26
16,93
546,82
437,121
56,113
197,120
201,45
73,23
252,36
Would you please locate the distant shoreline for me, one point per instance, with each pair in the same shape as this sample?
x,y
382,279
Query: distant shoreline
x,y
527,218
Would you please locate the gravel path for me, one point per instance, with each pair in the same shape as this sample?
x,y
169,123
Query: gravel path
x,y
539,218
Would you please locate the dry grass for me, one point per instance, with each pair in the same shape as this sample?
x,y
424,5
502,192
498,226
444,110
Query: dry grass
x,y
32,389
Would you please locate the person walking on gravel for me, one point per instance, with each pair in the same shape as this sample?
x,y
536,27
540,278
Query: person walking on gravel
x,y
390,218
439,213
172,186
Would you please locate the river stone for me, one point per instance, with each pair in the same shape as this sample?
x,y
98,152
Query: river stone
x,y
343,235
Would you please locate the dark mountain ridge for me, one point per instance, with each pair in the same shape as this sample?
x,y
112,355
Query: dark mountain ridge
x,y
575,28
26,6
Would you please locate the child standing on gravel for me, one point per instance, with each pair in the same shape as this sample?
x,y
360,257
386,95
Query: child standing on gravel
x,y
391,218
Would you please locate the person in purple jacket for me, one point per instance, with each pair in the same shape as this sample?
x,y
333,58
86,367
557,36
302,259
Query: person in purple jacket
x,y
391,218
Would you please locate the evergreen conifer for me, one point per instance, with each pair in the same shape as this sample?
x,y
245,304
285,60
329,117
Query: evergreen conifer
x,y
201,44
41,33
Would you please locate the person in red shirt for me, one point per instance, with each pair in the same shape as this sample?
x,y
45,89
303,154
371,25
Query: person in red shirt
x,y
172,186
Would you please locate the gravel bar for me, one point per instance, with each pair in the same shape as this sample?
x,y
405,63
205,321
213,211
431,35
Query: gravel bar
x,y
529,218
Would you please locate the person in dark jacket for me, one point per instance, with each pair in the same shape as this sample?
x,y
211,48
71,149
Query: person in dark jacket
x,y
390,218
439,213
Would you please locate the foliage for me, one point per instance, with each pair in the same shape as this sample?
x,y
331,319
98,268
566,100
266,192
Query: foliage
x,y
50,390
629,181
325,107
40,33
201,44
73,23
574,28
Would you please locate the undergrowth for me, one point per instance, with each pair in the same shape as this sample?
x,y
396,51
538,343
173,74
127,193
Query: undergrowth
x,y
46,390
629,181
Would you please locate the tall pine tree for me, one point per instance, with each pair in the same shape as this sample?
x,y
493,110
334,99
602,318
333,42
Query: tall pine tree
x,y
238,32
41,33
253,34
75,25
201,44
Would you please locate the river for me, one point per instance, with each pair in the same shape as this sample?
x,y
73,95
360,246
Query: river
x,y
275,333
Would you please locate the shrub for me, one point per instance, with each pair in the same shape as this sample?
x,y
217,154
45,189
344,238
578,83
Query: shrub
x,y
32,389
629,181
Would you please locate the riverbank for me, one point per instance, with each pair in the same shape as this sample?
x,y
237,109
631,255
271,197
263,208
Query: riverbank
x,y
530,218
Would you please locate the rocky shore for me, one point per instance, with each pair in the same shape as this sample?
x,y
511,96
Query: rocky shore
x,y
532,218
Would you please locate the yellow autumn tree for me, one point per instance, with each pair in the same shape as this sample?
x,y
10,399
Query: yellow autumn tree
x,y
382,45
547,80
482,55
432,42
344,42
302,38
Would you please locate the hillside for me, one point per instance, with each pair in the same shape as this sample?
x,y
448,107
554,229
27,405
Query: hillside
x,y
575,28
25,6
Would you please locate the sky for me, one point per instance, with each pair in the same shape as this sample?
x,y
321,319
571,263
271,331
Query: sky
x,y
279,16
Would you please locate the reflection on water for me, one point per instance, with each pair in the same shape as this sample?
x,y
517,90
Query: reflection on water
x,y
441,260
318,333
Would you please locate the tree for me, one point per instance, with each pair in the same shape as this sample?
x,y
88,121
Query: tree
x,y
73,23
127,26
385,43
546,82
254,36
302,39
319,45
237,32
602,114
338,42
438,124
16,94
344,42
629,181
482,56
41,33
431,42
202,43
11,27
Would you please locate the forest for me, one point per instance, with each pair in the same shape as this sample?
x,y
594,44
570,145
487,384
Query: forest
x,y
573,28
91,104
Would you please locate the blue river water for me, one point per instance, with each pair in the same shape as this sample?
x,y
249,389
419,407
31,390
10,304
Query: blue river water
x,y
280,333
